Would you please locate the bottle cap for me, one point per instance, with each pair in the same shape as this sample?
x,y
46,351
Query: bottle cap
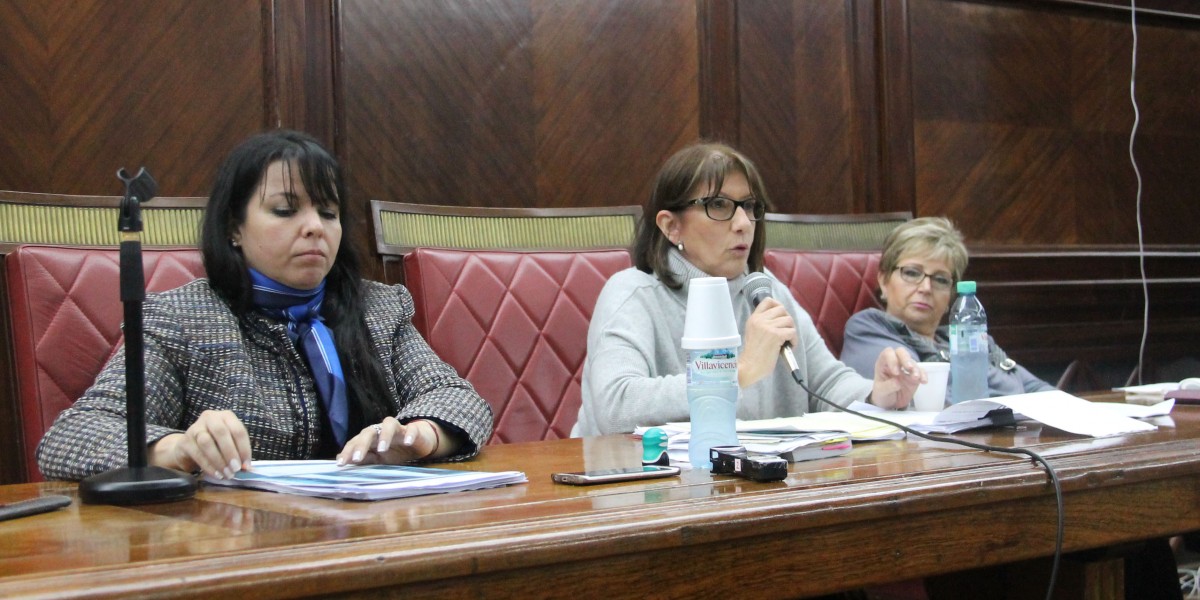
x,y
709,322
654,447
966,287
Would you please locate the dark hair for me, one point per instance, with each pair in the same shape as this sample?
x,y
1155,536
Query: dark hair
x,y
703,165
237,179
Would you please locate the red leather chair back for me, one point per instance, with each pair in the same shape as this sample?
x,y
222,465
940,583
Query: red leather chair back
x,y
514,324
66,321
830,285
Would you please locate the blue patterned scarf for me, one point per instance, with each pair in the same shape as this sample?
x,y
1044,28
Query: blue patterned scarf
x,y
302,309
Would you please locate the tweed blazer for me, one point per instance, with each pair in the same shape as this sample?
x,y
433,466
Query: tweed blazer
x,y
200,356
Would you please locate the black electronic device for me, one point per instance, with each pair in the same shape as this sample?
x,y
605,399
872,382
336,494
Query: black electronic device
x,y
735,460
33,506
611,475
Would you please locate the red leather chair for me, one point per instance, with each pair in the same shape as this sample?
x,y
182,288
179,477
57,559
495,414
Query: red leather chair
x,y
830,285
514,324
66,322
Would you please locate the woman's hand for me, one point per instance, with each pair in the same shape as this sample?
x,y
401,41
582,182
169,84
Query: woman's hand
x,y
767,329
897,376
216,444
391,442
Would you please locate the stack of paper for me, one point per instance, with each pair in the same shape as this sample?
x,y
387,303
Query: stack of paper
x,y
860,429
792,447
1186,391
325,479
1054,408
1150,393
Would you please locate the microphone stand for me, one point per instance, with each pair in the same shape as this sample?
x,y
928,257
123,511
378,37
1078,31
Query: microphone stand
x,y
138,483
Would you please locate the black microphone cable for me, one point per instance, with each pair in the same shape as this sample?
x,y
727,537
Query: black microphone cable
x,y
1037,458
757,288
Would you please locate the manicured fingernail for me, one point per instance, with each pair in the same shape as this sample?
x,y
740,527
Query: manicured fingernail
x,y
341,461
228,473
382,447
357,456
235,465
218,475
409,438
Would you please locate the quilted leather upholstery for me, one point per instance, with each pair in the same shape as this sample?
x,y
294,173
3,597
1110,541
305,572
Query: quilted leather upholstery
x,y
515,325
830,285
66,322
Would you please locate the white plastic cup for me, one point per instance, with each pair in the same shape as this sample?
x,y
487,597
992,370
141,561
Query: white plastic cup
x,y
931,396
709,321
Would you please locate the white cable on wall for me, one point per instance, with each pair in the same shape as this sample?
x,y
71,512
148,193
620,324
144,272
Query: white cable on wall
x,y
1138,206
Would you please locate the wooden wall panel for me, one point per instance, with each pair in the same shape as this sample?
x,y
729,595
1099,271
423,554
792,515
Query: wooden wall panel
x,y
797,102
519,103
616,92
92,86
1021,118
302,50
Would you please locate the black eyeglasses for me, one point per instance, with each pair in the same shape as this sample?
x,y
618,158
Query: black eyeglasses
x,y
720,208
915,276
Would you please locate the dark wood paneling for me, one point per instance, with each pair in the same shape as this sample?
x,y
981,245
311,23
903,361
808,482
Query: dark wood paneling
x,y
1022,119
797,102
302,54
91,86
1048,306
519,103
12,462
719,71
616,92
895,109
1149,8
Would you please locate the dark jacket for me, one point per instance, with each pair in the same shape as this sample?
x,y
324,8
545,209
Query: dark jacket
x,y
868,332
200,356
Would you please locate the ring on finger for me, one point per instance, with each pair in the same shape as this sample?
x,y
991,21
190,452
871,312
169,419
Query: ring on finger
x,y
378,429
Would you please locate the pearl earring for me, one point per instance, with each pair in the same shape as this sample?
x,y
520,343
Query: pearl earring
x,y
680,246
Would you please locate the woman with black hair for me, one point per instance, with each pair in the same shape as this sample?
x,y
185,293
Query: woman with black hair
x,y
283,352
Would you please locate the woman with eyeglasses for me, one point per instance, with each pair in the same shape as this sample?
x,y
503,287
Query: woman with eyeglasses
x,y
921,262
704,219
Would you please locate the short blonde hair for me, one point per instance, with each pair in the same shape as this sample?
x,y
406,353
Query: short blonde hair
x,y
933,236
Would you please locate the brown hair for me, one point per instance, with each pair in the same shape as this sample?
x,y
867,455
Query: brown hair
x,y
703,165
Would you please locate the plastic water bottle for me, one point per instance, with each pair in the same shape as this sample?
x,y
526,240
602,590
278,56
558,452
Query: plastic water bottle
x,y
711,338
712,392
968,346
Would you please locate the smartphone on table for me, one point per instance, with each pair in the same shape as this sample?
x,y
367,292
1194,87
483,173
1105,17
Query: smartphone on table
x,y
611,475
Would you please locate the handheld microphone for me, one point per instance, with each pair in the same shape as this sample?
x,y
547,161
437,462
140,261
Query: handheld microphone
x,y
757,289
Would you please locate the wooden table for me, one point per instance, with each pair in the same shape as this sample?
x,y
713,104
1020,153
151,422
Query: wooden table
x,y
886,511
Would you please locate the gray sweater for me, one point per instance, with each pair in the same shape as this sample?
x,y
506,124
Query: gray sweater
x,y
871,330
634,373
200,356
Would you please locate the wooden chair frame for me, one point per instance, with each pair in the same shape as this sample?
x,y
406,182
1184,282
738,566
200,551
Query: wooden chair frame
x,y
831,232
402,227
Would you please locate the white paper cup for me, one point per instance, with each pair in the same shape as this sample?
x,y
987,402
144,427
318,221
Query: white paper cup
x,y
709,322
931,396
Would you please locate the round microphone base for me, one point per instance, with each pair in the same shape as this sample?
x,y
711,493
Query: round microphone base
x,y
137,485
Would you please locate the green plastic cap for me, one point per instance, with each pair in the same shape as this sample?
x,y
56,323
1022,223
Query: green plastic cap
x,y
966,287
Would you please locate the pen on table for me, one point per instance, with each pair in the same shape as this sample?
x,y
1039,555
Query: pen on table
x,y
33,506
